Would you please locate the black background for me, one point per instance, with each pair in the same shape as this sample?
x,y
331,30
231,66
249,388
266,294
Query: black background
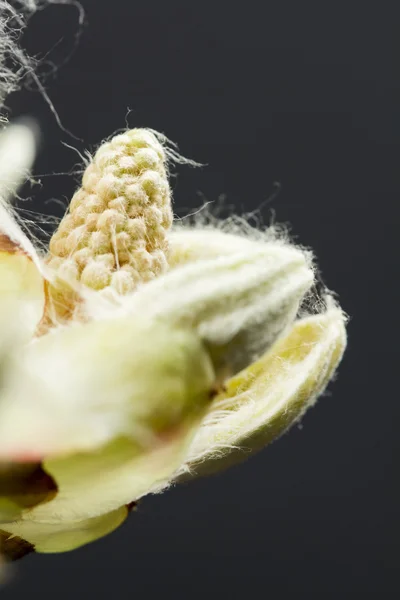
x,y
307,95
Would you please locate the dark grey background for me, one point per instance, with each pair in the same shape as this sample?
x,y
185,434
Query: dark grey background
x,y
307,95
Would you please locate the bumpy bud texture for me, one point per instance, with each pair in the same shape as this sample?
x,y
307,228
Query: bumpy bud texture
x,y
114,234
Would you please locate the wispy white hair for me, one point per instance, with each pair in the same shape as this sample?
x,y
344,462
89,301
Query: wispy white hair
x,y
15,64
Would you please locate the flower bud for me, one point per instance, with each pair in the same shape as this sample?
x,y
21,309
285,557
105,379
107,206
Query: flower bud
x,y
267,398
113,236
78,388
121,398
238,303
